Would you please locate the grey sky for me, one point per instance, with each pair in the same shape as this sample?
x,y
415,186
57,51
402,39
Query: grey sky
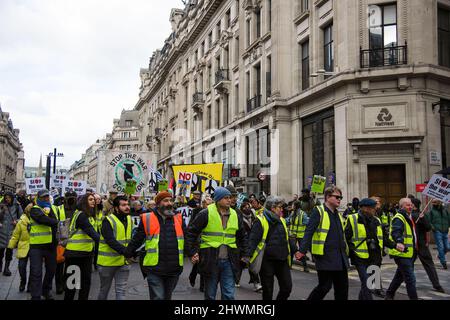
x,y
68,67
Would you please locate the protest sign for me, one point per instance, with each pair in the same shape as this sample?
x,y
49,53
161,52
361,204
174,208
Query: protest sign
x,y
186,213
33,185
57,180
318,184
438,188
78,186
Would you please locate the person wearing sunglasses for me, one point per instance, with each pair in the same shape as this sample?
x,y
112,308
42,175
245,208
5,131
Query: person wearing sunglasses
x,y
325,238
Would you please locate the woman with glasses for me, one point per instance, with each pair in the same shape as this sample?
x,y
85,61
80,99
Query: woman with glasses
x,y
324,237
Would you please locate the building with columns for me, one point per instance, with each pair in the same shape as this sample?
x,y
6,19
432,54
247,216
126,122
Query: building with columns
x,y
10,147
354,90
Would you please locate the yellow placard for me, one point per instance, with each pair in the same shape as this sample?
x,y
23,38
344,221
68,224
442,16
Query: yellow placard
x,y
208,171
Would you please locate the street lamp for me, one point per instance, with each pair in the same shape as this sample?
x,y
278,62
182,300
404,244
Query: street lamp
x,y
54,155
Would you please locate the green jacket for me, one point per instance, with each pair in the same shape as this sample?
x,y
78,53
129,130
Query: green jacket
x,y
439,219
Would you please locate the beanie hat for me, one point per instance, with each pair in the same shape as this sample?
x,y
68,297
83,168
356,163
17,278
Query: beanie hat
x,y
220,193
161,196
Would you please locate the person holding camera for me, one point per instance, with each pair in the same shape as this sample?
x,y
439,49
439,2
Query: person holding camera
x,y
366,239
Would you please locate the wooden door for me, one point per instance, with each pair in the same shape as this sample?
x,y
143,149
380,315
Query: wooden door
x,y
387,182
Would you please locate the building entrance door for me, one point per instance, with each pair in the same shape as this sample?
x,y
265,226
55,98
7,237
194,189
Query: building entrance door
x,y
387,182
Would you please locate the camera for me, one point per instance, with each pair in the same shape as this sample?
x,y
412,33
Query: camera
x,y
372,244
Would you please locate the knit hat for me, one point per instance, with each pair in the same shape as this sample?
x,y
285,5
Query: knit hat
x,y
161,196
220,193
232,189
367,202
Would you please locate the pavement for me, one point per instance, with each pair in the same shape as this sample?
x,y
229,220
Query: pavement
x,y
303,283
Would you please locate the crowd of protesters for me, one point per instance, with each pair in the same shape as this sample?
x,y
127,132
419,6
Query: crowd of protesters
x,y
227,233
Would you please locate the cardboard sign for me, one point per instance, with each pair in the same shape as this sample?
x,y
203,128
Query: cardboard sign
x,y
240,199
318,184
186,213
163,185
130,187
33,185
438,188
57,181
75,185
54,193
184,184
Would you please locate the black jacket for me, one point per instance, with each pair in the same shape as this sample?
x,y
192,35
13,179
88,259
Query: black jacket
x,y
371,224
276,242
48,220
208,256
335,256
422,227
83,224
168,263
108,234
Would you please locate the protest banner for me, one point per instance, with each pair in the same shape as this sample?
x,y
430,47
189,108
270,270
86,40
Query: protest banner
x,y
57,180
120,166
33,185
186,213
163,185
201,174
438,188
77,186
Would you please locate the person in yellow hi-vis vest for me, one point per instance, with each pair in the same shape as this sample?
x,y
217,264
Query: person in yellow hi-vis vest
x,y
80,246
223,245
114,238
43,242
403,234
270,237
324,237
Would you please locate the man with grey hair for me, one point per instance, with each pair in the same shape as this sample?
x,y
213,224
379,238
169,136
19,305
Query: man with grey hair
x,y
403,234
270,233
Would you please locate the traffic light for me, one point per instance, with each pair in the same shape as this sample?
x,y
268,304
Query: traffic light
x,y
234,173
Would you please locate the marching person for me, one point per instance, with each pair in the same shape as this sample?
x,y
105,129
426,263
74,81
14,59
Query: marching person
x,y
206,201
270,234
366,239
64,212
297,225
80,246
324,237
195,202
440,223
114,238
249,219
257,204
223,245
21,240
10,213
403,233
423,226
43,242
98,225
162,232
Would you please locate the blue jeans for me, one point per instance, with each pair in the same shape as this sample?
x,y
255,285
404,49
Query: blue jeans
x,y
224,274
405,272
161,287
442,245
364,293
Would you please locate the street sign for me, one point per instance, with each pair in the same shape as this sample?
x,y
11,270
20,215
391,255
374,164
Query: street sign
x,y
420,187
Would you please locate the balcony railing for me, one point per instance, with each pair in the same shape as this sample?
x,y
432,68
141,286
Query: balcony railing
x,y
222,75
383,57
198,98
254,103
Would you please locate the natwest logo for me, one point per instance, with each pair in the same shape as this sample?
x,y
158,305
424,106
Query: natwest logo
x,y
384,118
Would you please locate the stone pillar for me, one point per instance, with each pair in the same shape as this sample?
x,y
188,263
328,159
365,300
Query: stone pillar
x,y
343,152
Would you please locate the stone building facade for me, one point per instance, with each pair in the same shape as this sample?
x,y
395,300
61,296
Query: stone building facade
x,y
10,147
354,90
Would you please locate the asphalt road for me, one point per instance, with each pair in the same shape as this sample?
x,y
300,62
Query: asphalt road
x,y
303,283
